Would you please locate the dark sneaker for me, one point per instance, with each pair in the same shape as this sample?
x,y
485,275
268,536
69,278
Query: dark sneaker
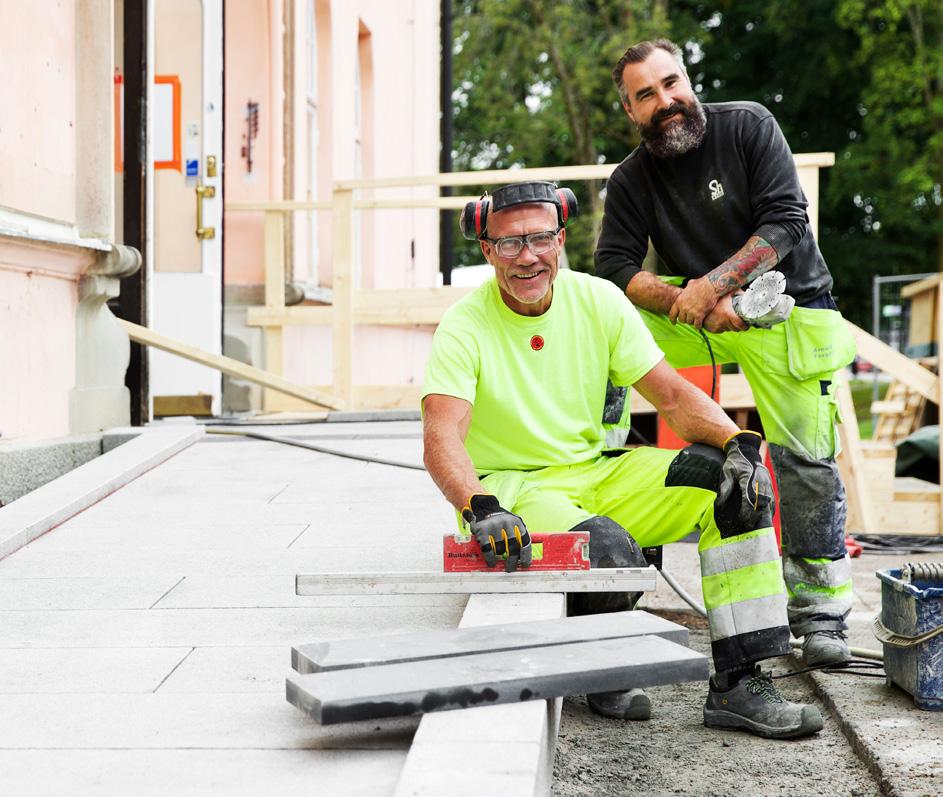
x,y
633,704
825,647
754,705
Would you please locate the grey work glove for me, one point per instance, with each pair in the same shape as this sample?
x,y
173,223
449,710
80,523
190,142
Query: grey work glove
x,y
745,496
498,532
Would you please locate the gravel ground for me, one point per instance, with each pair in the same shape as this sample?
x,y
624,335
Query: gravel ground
x,y
675,754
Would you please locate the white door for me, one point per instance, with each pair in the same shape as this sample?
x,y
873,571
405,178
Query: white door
x,y
185,270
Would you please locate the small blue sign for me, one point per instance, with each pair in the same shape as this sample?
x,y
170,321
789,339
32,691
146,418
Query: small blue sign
x,y
193,167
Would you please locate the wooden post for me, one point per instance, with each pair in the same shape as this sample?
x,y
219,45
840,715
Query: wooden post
x,y
939,382
851,465
343,292
274,294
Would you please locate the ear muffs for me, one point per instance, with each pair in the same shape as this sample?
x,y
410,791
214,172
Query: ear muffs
x,y
568,206
474,219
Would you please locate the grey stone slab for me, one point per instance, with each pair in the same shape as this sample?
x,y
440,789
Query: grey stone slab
x,y
240,559
210,627
231,670
201,773
28,464
165,720
535,606
533,724
493,678
34,514
91,592
617,579
501,769
171,536
379,650
276,591
86,670
322,511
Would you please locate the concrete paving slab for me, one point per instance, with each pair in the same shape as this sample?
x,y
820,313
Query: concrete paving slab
x,y
393,649
493,678
209,627
247,559
503,723
275,591
170,536
231,670
502,769
34,514
169,720
91,592
86,670
320,510
209,773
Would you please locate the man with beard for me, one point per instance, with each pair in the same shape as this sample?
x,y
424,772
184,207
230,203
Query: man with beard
x,y
515,414
715,188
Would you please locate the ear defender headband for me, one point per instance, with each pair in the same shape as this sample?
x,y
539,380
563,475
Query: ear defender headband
x,y
474,218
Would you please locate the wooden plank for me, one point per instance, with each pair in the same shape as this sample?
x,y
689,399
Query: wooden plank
x,y
888,407
938,525
851,466
398,648
488,679
274,260
896,364
342,326
227,365
616,579
911,290
200,405
364,397
552,173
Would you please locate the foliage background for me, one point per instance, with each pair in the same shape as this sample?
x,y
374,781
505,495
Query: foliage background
x,y
860,78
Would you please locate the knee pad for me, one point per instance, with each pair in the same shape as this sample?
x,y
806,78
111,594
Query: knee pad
x,y
610,545
698,465
812,506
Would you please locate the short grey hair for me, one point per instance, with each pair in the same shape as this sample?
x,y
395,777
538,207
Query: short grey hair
x,y
640,52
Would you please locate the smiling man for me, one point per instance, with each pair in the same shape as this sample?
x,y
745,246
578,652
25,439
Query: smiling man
x,y
524,377
715,189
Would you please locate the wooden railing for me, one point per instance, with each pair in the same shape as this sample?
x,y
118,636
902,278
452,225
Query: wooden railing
x,y
400,307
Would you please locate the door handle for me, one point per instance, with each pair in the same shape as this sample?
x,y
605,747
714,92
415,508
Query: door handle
x,y
203,192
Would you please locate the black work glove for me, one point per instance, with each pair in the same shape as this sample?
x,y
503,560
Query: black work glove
x,y
498,532
745,496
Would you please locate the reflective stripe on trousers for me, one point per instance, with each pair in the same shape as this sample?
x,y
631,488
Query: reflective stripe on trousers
x,y
744,595
820,593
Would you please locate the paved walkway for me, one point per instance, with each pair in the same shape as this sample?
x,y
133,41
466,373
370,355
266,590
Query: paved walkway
x,y
144,643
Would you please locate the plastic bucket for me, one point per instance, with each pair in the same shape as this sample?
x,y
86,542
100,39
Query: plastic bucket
x,y
911,628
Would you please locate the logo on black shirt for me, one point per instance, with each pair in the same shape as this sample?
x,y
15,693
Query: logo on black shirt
x,y
717,190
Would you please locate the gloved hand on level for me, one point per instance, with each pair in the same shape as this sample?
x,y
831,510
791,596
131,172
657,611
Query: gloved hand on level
x,y
498,532
745,496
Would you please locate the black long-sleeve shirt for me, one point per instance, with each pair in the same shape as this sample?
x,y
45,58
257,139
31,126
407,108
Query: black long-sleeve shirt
x,y
700,208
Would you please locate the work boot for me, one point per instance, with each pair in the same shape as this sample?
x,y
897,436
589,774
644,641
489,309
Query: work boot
x,y
753,704
633,704
825,647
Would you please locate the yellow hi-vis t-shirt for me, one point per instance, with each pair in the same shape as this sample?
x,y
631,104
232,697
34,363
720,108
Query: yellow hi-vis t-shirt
x,y
538,384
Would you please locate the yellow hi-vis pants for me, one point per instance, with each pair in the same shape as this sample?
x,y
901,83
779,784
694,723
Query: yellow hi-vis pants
x,y
741,575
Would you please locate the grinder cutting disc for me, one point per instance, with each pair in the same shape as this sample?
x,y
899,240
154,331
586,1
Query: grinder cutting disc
x,y
762,295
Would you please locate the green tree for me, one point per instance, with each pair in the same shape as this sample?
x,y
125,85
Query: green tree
x,y
892,173
533,88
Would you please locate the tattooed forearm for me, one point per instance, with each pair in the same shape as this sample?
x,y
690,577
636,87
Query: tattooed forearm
x,y
754,258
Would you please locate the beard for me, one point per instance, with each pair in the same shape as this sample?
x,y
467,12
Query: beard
x,y
678,138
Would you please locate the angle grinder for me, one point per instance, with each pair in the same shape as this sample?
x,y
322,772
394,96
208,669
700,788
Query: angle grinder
x,y
763,303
